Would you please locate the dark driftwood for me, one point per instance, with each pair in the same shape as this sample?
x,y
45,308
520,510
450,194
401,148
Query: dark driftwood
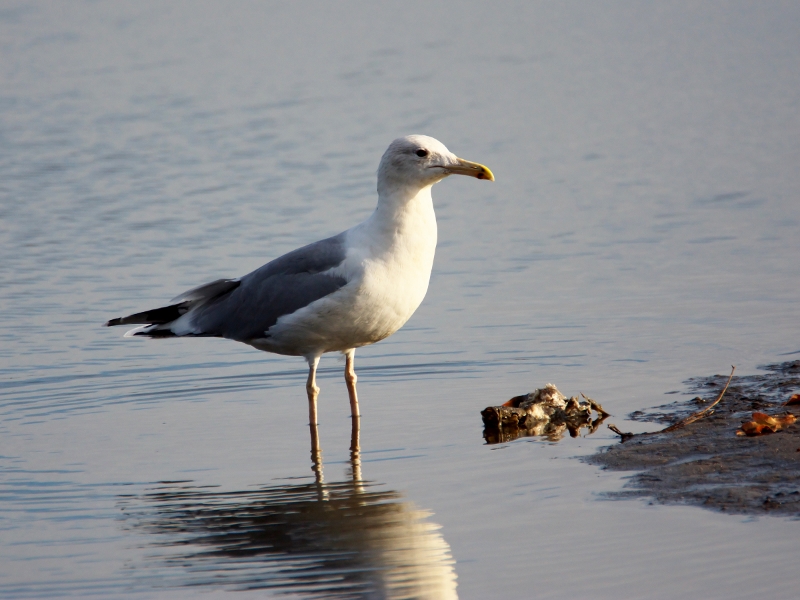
x,y
545,412
504,415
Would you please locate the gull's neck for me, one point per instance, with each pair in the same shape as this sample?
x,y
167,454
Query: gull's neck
x,y
404,218
400,206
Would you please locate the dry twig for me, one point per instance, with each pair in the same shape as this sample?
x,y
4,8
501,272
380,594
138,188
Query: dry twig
x,y
683,422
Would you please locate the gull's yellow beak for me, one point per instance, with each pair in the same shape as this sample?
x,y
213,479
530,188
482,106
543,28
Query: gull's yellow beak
x,y
472,169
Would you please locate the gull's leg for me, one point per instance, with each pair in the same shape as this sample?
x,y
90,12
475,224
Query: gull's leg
x,y
355,451
350,378
316,453
312,389
313,394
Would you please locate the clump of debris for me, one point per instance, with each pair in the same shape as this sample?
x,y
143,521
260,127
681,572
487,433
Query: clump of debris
x,y
544,412
740,454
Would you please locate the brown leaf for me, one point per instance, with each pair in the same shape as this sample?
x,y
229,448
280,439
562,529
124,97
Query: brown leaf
x,y
515,401
752,428
765,419
763,424
795,399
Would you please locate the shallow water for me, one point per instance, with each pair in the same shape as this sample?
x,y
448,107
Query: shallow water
x,y
642,230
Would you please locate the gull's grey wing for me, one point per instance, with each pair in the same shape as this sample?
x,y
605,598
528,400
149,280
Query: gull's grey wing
x,y
207,291
279,288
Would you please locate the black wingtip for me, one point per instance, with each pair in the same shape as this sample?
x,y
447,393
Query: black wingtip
x,y
112,322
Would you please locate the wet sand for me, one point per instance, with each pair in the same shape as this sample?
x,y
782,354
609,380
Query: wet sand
x,y
706,463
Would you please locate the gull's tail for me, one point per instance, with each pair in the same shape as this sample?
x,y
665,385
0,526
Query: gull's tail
x,y
155,323
165,321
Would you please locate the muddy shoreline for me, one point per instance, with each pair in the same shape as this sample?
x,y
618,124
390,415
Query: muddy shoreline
x,y
705,463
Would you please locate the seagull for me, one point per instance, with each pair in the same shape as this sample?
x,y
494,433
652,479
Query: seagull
x,y
337,294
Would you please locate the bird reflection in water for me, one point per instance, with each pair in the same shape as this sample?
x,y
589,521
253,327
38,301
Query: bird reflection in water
x,y
346,539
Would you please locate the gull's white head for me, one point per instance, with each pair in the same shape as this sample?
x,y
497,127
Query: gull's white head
x,y
418,161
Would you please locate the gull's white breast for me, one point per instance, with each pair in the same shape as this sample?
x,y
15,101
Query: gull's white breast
x,y
388,266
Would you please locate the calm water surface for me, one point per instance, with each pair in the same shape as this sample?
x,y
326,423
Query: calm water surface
x,y
643,229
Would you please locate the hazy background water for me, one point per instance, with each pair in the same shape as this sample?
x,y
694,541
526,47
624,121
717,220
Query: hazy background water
x,y
643,229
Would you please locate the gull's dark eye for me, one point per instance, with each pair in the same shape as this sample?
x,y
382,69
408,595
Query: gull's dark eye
x,y
422,153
